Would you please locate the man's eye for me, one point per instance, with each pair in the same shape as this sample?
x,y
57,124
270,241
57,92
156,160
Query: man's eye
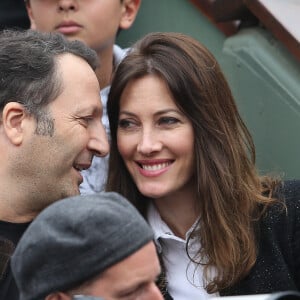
x,y
88,119
85,120
168,121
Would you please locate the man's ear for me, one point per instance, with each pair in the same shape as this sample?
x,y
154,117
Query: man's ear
x,y
30,15
58,296
130,10
13,117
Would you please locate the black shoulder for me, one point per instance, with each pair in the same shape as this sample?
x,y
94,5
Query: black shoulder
x,y
285,213
289,192
280,226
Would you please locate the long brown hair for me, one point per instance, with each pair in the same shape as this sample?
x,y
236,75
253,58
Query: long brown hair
x,y
229,190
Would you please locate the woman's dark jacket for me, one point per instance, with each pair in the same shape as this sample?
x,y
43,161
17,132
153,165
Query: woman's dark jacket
x,y
278,263
277,267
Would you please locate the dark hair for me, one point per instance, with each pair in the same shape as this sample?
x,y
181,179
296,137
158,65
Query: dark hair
x,y
229,190
28,69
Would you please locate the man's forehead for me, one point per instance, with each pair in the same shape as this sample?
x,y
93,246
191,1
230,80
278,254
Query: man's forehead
x,y
79,83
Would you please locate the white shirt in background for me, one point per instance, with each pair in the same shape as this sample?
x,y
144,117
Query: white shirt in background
x,y
94,179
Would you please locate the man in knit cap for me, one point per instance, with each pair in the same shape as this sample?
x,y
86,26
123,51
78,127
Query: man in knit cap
x,y
93,245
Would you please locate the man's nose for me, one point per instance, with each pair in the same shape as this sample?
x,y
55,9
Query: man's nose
x,y
98,142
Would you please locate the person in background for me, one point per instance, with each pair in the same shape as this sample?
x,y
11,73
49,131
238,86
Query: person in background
x,y
13,15
97,24
183,156
91,245
50,129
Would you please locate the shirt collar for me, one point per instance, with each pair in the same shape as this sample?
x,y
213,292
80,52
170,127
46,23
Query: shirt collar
x,y
161,229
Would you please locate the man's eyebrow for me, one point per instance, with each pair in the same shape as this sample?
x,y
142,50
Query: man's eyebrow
x,y
92,110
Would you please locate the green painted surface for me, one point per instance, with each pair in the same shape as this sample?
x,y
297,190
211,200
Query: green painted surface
x,y
177,16
266,84
264,77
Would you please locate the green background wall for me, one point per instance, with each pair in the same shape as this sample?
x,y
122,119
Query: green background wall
x,y
263,75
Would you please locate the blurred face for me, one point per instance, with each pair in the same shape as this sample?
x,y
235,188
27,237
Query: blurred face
x,y
94,22
52,163
131,279
155,139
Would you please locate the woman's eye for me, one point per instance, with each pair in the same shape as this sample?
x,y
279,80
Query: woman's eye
x,y
125,123
168,121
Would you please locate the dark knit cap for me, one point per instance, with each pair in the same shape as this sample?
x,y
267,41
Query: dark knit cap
x,y
74,240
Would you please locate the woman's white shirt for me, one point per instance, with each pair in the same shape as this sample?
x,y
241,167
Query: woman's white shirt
x,y
185,281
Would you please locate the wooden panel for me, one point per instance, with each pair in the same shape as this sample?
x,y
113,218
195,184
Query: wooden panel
x,y
281,17
217,17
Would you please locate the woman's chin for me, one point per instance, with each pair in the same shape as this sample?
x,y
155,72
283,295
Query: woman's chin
x,y
153,192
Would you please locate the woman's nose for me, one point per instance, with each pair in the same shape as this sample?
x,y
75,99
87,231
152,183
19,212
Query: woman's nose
x,y
149,143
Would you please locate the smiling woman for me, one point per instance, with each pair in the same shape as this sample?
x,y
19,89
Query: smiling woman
x,y
183,156
149,123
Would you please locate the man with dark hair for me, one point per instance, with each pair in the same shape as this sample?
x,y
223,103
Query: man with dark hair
x,y
96,245
50,129
96,23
